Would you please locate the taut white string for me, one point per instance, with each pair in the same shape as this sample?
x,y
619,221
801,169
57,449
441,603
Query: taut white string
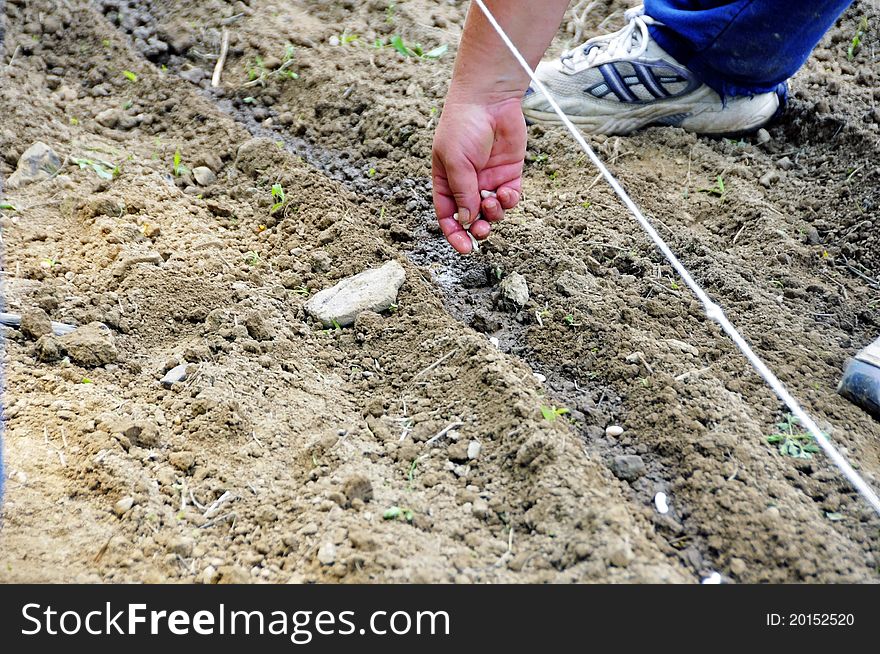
x,y
713,311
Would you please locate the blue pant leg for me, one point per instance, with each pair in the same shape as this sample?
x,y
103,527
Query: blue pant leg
x,y
742,47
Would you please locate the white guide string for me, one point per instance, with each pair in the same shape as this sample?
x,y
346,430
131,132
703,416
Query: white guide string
x,y
713,311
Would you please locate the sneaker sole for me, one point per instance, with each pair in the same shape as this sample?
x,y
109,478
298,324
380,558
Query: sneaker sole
x,y
695,114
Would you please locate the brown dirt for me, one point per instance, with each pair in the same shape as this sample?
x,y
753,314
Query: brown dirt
x,y
290,419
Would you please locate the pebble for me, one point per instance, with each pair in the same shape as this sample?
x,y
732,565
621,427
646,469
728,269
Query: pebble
x,y
473,450
372,290
123,506
515,290
785,163
737,566
327,554
37,163
204,175
613,431
769,178
660,503
176,374
541,378
763,136
628,467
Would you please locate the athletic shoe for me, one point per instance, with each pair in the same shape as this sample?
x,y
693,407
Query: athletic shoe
x,y
861,380
620,82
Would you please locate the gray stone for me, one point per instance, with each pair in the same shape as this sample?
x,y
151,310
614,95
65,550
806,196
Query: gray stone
x,y
515,290
769,178
204,175
372,290
108,118
628,467
37,163
176,374
91,345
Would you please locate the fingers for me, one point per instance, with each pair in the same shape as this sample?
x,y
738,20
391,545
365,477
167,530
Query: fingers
x,y
456,235
462,179
494,203
480,230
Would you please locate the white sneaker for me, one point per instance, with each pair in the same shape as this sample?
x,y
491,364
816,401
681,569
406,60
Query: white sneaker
x,y
620,82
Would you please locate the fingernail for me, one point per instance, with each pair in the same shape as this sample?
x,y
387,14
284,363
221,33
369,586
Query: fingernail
x,y
463,216
488,194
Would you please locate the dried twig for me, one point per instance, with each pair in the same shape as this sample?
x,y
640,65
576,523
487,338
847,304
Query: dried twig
x,y
440,434
218,67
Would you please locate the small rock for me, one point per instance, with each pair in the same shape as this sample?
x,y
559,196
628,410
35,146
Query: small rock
x,y
109,118
621,555
327,554
628,467
204,175
48,349
785,163
473,450
813,237
193,74
613,431
182,460
35,323
123,506
769,178
372,290
258,328
480,508
90,346
176,374
358,487
37,163
514,291
458,451
763,136
737,566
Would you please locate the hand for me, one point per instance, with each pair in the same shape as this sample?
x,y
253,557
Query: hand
x,y
477,147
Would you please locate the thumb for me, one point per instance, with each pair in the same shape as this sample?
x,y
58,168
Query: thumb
x,y
462,179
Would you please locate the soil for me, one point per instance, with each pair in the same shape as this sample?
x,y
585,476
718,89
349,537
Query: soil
x,y
282,454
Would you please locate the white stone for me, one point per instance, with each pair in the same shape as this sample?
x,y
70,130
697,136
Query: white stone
x,y
473,450
372,290
327,554
613,431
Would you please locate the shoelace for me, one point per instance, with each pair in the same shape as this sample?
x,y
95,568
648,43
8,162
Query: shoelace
x,y
631,41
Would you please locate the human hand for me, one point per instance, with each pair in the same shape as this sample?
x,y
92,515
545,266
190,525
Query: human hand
x,y
477,147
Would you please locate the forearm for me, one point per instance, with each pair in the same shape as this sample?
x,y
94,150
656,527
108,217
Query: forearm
x,y
485,70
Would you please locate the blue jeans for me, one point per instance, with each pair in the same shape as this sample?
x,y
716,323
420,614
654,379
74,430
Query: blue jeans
x,y
742,47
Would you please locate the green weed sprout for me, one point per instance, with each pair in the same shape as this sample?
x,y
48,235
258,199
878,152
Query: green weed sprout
x,y
551,413
103,169
792,440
